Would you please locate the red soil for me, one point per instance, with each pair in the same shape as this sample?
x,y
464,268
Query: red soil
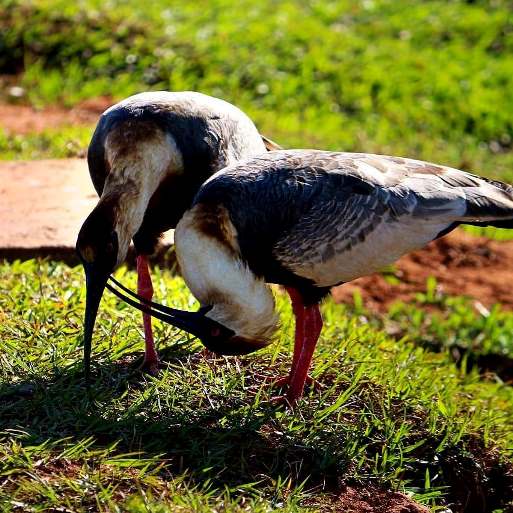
x,y
23,119
373,500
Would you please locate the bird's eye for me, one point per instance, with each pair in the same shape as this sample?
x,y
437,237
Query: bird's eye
x,y
215,332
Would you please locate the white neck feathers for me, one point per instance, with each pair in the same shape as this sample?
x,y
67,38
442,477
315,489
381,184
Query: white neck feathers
x,y
139,156
209,258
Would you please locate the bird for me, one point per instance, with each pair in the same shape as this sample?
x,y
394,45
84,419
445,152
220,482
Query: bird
x,y
309,220
147,158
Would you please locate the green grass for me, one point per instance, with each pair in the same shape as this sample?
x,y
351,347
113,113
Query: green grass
x,y
62,142
455,323
201,435
490,232
427,79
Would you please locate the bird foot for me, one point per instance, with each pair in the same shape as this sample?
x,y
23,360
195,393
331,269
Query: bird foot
x,y
206,353
209,356
150,367
281,400
289,398
285,381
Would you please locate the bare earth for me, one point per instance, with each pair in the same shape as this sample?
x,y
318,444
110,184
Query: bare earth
x,y
462,264
23,119
43,203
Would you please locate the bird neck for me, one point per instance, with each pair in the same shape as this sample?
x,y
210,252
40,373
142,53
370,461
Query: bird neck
x,y
136,171
128,192
211,264
129,207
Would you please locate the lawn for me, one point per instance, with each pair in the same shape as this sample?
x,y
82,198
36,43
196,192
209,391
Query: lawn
x,y
410,400
428,79
202,434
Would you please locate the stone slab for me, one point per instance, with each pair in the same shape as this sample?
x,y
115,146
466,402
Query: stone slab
x,y
43,203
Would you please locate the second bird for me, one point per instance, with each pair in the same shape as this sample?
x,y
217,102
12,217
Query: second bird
x,y
310,220
148,157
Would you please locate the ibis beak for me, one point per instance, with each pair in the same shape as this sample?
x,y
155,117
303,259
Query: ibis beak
x,y
96,279
211,333
214,336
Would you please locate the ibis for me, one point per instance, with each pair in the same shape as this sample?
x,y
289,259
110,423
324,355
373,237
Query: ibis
x,y
309,220
147,159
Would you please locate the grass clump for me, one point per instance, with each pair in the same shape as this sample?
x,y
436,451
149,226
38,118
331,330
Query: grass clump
x,y
202,432
64,142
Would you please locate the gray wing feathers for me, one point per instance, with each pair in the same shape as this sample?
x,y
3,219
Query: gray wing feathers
x,y
409,199
440,190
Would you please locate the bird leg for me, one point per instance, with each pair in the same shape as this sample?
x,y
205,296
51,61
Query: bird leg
x,y
298,308
299,372
145,289
308,329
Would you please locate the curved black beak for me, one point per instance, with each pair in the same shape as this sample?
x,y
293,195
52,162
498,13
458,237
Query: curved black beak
x,y
215,336
96,279
195,323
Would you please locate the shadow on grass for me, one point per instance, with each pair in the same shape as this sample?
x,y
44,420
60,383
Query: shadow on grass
x,y
229,443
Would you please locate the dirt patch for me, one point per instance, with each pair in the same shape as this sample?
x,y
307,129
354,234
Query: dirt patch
x,y
24,119
368,499
480,479
43,203
461,263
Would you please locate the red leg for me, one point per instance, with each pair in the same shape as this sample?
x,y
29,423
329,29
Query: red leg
x,y
145,289
298,309
299,374
299,312
308,329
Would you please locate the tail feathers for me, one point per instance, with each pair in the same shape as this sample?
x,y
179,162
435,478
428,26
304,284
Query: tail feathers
x,y
489,204
508,189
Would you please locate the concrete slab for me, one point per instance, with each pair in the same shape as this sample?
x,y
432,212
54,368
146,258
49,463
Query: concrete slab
x,y
42,206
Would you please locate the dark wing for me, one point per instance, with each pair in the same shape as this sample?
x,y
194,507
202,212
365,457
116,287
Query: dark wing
x,y
98,169
376,208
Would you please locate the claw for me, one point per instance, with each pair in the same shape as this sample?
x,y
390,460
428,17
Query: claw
x,y
285,381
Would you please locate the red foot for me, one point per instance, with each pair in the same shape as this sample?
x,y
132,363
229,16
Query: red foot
x,y
285,381
288,399
145,289
281,400
208,355
150,366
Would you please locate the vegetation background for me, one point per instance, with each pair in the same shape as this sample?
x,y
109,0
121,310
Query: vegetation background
x,y
426,79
